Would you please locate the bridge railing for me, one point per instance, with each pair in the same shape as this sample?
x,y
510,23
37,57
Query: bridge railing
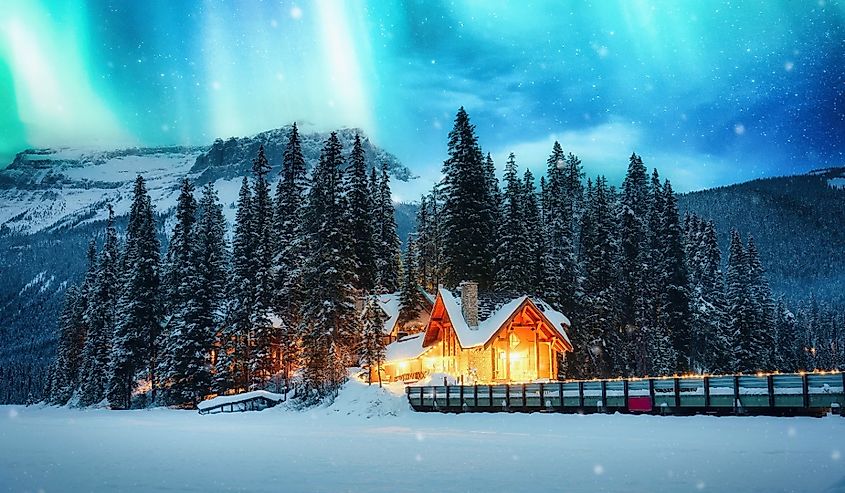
x,y
756,394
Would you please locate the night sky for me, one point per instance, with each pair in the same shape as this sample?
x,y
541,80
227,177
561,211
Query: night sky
x,y
709,92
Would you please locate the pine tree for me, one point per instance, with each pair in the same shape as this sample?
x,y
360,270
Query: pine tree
x,y
62,379
410,298
761,295
595,332
788,339
358,216
562,193
513,247
676,298
328,313
261,337
467,218
424,267
535,245
134,350
741,318
232,369
372,349
387,244
290,251
99,318
492,215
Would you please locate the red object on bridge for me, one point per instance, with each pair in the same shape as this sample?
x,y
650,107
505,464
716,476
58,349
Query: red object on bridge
x,y
639,404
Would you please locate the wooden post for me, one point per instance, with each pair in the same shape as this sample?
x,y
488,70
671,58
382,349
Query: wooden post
x,y
581,394
706,393
542,397
604,395
560,394
677,393
475,395
524,397
462,396
490,393
651,391
434,397
625,393
447,396
737,403
421,396
770,383
508,395
805,390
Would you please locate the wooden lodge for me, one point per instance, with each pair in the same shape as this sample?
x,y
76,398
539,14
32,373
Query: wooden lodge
x,y
488,338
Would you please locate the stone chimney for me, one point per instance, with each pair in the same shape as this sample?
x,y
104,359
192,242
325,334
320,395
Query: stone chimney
x,y
469,303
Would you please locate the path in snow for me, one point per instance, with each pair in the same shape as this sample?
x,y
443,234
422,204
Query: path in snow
x,y
370,441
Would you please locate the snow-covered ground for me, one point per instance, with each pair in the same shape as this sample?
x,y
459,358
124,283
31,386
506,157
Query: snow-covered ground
x,y
369,440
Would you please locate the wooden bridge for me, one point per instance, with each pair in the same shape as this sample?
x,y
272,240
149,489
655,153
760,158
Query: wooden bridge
x,y
775,394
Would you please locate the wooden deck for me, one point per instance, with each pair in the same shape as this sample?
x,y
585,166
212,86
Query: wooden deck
x,y
776,394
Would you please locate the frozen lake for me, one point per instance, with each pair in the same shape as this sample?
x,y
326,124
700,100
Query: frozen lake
x,y
370,441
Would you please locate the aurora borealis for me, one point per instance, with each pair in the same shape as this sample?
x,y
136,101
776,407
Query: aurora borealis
x,y
709,92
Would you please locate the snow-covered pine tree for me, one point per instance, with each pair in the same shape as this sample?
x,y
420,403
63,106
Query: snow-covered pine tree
x,y
535,245
467,218
713,341
358,215
177,289
62,378
410,298
134,350
387,241
188,335
634,211
761,293
513,247
741,311
290,250
493,199
596,336
65,379
232,368
262,337
788,339
562,194
99,318
328,311
424,271
371,349
676,298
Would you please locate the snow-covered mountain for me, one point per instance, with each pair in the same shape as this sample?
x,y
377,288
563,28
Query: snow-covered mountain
x,y
53,189
52,202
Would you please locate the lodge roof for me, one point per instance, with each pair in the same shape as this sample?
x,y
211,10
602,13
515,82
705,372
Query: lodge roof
x,y
406,348
494,310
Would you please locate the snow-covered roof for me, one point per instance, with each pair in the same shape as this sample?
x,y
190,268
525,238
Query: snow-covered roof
x,y
389,303
495,318
235,398
406,348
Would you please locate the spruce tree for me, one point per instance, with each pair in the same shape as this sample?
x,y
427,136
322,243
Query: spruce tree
x,y
761,294
290,251
99,318
467,215
134,350
410,298
372,349
358,215
741,317
262,337
387,244
535,245
62,379
232,369
676,299
513,248
328,313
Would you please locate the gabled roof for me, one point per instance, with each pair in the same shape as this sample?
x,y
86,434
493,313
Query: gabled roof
x,y
390,305
494,312
406,348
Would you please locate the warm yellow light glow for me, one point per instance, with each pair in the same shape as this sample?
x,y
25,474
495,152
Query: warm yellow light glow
x,y
403,366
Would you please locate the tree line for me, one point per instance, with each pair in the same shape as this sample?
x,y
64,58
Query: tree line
x,y
647,291
215,316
